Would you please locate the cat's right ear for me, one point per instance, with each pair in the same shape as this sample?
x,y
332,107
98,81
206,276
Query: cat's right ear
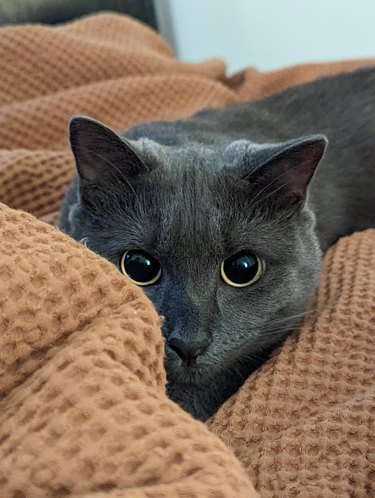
x,y
101,154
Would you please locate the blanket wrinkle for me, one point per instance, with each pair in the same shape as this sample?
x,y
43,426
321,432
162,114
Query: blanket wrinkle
x,y
83,407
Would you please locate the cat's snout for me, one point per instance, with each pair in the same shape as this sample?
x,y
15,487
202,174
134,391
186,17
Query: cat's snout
x,y
188,350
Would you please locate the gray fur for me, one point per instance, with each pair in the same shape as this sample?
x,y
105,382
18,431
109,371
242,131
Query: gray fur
x,y
193,192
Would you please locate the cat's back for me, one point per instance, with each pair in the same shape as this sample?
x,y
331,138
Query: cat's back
x,y
331,105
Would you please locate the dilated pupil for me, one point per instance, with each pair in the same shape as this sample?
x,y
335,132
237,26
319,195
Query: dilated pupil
x,y
241,268
140,266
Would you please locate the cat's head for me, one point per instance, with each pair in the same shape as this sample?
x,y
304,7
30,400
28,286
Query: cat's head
x,y
220,237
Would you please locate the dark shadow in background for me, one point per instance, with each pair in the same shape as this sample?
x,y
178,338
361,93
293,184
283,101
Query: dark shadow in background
x,y
57,11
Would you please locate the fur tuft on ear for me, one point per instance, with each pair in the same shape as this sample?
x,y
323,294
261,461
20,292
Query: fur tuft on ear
x,y
100,153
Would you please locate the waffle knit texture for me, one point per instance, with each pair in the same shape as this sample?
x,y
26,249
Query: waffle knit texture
x,y
83,409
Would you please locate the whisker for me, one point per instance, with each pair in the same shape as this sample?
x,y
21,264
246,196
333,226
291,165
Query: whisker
x,y
293,317
278,331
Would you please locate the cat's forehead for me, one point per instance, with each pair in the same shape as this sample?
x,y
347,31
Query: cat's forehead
x,y
196,211
189,201
195,204
182,156
183,187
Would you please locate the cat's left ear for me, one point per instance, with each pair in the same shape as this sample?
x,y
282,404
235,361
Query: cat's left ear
x,y
285,171
101,154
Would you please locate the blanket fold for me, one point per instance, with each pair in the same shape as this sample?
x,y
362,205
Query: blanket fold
x,y
83,409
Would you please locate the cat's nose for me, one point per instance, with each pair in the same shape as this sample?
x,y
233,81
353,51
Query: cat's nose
x,y
188,350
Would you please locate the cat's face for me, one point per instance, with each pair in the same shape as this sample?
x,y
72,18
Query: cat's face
x,y
186,211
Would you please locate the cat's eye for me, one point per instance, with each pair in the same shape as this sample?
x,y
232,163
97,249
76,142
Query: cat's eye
x,y
242,269
140,267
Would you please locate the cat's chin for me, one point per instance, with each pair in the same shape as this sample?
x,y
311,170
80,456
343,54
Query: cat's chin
x,y
203,396
198,400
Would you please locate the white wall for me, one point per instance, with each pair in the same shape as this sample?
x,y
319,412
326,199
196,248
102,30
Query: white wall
x,y
269,33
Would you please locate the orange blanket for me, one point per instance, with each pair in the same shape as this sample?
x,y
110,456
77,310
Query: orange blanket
x,y
83,410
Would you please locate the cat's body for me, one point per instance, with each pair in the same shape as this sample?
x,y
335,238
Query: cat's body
x,y
221,182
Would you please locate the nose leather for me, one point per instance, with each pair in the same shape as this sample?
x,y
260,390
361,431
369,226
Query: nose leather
x,y
188,350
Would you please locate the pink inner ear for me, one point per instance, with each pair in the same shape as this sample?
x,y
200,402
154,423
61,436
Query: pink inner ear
x,y
288,174
297,177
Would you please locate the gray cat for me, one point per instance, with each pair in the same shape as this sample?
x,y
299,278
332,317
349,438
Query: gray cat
x,y
224,217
